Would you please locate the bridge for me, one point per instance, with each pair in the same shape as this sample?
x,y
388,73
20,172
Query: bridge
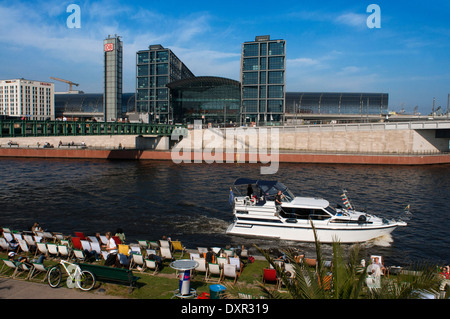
x,y
35,128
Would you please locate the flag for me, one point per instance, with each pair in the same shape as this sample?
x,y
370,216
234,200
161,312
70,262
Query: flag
x,y
231,197
346,201
407,207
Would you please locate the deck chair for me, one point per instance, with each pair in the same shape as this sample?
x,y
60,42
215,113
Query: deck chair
x,y
231,272
80,235
228,252
11,265
85,244
92,239
124,249
38,269
236,261
177,246
23,246
135,249
213,270
164,243
153,244
143,244
17,236
117,240
289,270
42,248
47,236
222,261
384,270
202,250
8,237
76,243
216,250
4,244
65,242
202,266
79,254
53,249
23,268
58,236
96,247
270,276
166,253
30,240
137,261
195,256
151,264
104,239
64,251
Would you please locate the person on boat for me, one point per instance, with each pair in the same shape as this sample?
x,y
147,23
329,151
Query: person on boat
x,y
278,198
249,190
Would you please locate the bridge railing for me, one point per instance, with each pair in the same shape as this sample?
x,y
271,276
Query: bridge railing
x,y
26,128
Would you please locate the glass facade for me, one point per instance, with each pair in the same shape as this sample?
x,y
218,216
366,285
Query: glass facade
x,y
337,103
263,66
210,99
155,68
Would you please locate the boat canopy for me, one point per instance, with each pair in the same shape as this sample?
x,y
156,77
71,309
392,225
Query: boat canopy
x,y
269,188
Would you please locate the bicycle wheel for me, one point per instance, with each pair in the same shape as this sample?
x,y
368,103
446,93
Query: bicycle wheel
x,y
86,281
54,277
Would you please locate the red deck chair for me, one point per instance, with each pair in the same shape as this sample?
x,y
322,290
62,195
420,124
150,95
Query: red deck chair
x,y
270,275
80,235
117,240
76,242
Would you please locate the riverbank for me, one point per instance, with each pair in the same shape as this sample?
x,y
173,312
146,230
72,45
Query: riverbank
x,y
209,157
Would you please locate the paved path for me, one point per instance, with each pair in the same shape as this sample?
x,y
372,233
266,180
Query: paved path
x,y
20,289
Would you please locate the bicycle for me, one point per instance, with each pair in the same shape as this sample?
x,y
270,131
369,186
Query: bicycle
x,y
82,279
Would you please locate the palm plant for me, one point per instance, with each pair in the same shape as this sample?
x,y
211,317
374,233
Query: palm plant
x,y
348,278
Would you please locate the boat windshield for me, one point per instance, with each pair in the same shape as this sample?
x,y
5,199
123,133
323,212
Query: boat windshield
x,y
330,210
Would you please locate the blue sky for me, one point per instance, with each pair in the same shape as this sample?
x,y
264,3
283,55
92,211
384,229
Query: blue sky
x,y
329,46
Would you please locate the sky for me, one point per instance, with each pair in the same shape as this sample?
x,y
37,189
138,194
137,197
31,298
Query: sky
x,y
329,45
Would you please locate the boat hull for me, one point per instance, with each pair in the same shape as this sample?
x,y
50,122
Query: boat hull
x,y
304,233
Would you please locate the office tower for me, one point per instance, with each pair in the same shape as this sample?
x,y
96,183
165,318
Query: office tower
x,y
155,68
32,100
263,67
113,65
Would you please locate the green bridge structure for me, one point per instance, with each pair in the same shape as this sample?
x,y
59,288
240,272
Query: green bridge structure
x,y
28,128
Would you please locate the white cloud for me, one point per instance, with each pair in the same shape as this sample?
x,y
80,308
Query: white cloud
x,y
352,19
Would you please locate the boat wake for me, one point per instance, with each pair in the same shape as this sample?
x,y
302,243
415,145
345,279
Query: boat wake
x,y
382,241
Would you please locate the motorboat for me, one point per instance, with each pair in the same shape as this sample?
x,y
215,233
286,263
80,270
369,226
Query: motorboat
x,y
257,214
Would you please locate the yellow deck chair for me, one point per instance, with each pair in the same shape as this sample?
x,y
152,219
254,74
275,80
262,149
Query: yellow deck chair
x,y
177,246
124,249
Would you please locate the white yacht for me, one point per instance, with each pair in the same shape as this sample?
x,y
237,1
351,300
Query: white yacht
x,y
257,215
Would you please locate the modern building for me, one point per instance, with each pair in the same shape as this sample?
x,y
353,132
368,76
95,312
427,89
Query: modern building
x,y
87,105
263,68
113,78
22,98
337,103
206,98
155,68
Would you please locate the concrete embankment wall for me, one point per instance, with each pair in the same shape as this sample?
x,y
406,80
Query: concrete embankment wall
x,y
326,139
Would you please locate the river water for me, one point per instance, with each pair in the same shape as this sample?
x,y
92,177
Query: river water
x,y
189,202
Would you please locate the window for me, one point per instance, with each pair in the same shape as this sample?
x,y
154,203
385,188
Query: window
x,y
251,49
275,106
251,64
250,106
276,48
276,63
162,56
142,70
276,77
250,78
162,68
143,57
250,92
275,91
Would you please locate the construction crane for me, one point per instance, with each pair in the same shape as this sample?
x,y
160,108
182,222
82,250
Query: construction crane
x,y
65,81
